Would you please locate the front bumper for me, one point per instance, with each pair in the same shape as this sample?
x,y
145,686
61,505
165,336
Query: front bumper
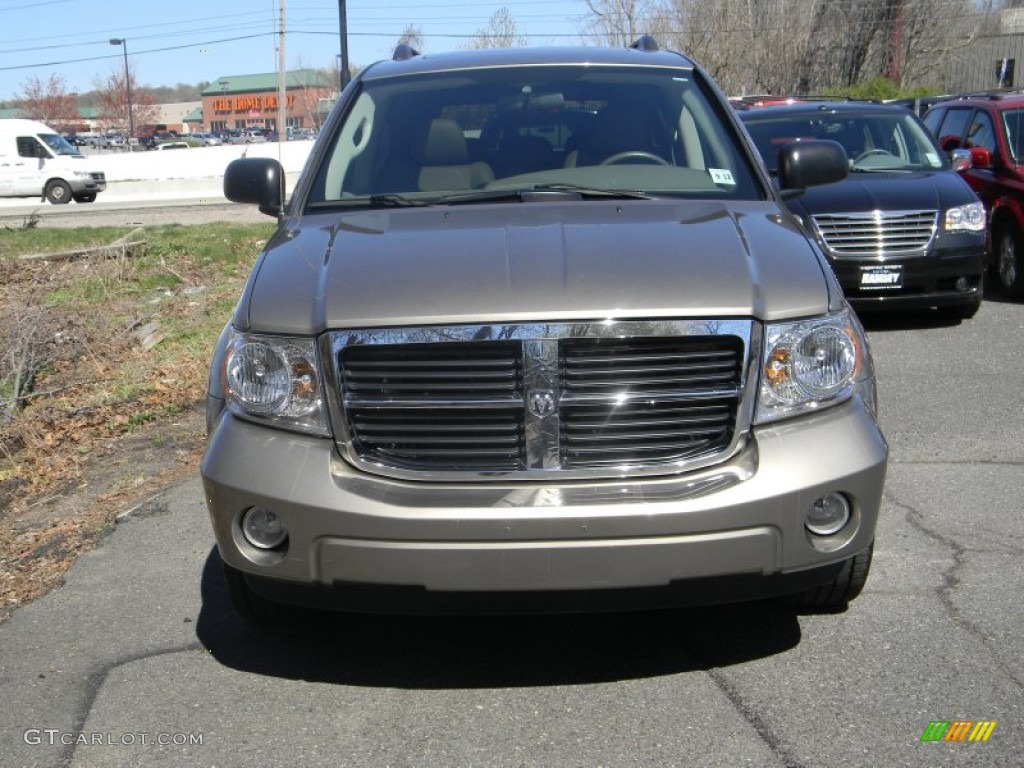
x,y
743,517
945,277
87,185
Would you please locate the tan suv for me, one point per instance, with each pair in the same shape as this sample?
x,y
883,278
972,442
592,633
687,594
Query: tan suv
x,y
536,332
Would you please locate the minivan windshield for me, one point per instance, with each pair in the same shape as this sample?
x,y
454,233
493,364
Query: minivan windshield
x,y
493,134
874,140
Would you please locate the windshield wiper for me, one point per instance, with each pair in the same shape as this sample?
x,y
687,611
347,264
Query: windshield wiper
x,y
372,201
484,196
540,193
392,200
617,194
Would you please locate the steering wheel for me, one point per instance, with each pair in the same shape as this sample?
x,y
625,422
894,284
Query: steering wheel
x,y
634,155
869,153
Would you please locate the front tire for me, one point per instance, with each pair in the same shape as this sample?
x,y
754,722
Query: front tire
x,y
247,604
1009,270
843,588
58,192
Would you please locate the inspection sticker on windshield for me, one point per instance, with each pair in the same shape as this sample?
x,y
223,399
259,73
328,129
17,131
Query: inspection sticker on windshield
x,y
721,176
881,278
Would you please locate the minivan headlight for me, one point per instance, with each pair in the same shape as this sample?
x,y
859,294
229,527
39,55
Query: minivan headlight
x,y
811,364
966,218
275,379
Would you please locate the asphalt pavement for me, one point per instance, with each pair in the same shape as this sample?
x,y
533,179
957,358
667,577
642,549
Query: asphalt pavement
x,y
138,660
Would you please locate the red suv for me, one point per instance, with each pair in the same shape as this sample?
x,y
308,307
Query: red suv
x,y
991,126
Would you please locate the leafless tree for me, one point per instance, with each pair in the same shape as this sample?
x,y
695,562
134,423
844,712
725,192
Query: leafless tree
x,y
501,32
806,46
112,95
413,37
618,23
49,102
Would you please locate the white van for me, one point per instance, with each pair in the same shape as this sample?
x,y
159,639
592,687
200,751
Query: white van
x,y
36,161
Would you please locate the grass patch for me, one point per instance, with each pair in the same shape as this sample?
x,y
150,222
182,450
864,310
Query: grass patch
x,y
113,343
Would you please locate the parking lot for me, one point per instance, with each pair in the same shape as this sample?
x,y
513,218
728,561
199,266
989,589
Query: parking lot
x,y
138,660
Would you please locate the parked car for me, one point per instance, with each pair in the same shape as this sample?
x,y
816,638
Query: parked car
x,y
903,230
96,140
208,139
247,137
614,369
991,128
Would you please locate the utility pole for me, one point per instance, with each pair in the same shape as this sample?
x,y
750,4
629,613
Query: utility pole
x,y
282,86
343,25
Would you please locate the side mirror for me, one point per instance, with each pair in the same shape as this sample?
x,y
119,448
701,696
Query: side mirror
x,y
258,180
811,163
981,157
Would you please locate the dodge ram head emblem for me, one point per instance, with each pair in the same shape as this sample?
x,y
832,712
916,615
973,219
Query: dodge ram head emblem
x,y
542,403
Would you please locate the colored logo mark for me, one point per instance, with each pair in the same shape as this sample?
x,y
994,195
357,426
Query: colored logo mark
x,y
958,730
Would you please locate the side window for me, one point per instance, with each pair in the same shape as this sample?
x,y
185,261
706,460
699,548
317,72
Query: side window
x,y
954,128
28,146
982,133
934,119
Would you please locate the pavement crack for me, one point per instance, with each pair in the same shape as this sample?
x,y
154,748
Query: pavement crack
x,y
753,718
94,683
951,581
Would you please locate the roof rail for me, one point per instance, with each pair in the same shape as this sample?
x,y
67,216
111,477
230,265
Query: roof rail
x,y
404,52
645,43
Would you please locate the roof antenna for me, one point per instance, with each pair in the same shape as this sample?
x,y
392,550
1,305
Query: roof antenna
x,y
645,43
404,52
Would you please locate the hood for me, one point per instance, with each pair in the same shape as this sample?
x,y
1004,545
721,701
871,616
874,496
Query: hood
x,y
861,192
517,262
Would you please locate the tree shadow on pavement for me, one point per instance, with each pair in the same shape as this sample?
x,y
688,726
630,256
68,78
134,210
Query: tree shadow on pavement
x,y
451,652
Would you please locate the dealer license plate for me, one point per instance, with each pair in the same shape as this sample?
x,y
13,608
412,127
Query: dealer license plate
x,y
881,278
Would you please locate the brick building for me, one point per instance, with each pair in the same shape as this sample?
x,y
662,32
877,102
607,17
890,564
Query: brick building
x,y
239,102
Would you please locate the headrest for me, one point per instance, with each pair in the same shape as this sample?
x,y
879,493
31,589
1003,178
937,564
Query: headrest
x,y
445,144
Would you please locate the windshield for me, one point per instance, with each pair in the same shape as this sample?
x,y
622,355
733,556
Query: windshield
x,y
58,144
874,141
421,138
1013,121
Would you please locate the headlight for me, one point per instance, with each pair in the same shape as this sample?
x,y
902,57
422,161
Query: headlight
x,y
82,174
966,218
275,379
811,364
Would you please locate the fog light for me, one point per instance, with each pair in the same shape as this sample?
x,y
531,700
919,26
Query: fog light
x,y
828,514
263,528
962,284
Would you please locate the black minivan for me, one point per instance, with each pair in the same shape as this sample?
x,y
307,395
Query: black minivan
x,y
903,230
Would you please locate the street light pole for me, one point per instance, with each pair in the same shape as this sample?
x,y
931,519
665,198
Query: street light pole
x,y
127,83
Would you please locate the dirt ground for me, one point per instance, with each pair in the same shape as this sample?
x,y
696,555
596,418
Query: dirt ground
x,y
43,531
40,542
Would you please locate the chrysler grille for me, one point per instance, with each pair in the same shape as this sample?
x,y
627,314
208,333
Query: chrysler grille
x,y
578,400
877,234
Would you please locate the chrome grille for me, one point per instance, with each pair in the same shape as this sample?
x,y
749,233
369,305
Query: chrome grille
x,y
679,416
878,233
436,406
572,400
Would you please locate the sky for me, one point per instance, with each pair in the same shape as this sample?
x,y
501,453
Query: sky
x,y
191,41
